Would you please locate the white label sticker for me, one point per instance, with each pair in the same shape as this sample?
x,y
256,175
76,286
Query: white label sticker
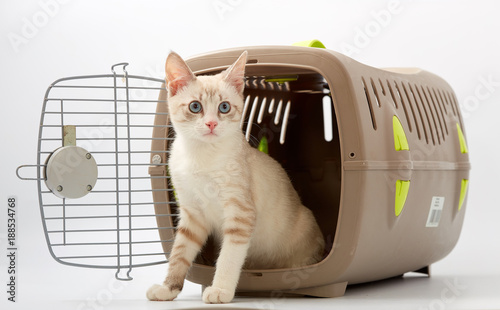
x,y
435,211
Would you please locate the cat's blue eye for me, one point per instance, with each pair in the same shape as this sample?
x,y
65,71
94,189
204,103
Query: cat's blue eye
x,y
195,107
224,107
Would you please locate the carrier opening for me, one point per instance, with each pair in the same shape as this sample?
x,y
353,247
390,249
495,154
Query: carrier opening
x,y
291,117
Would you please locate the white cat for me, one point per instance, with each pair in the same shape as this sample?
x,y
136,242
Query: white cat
x,y
227,188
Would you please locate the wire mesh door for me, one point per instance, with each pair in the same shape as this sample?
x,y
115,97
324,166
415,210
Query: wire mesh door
x,y
114,225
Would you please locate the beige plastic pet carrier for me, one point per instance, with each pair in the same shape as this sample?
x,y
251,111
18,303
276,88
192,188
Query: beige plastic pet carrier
x,y
378,155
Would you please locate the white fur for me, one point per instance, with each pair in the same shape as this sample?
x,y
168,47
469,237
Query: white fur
x,y
161,292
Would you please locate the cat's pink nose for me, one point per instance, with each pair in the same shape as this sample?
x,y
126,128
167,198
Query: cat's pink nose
x,y
211,125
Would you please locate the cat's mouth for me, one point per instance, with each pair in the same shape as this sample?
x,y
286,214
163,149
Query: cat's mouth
x,y
210,134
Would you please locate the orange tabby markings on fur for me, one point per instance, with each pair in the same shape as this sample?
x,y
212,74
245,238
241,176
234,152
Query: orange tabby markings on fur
x,y
240,205
239,232
196,222
189,235
244,220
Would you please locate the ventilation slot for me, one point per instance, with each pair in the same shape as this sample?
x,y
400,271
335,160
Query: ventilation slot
x,y
251,117
394,101
328,118
449,100
420,106
442,108
443,103
424,102
455,104
425,108
269,102
255,107
382,87
375,91
439,113
370,105
411,105
405,109
260,91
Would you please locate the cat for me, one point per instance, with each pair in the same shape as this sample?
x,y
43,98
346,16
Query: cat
x,y
227,188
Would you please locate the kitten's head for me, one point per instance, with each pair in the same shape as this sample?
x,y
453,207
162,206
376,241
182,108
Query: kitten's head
x,y
206,108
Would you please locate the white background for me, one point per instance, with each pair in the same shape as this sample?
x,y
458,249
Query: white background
x,y
457,40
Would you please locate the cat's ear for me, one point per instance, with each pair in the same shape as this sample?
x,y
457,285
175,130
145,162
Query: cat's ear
x,y
178,74
235,75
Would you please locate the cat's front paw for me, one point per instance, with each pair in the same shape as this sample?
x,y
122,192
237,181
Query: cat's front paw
x,y
161,293
216,295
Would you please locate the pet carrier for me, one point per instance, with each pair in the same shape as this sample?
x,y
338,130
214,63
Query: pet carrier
x,y
378,155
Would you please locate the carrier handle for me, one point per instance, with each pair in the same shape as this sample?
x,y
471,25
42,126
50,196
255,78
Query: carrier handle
x,y
123,64
28,179
310,43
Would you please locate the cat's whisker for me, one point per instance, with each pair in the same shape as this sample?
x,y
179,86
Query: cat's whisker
x,y
255,140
